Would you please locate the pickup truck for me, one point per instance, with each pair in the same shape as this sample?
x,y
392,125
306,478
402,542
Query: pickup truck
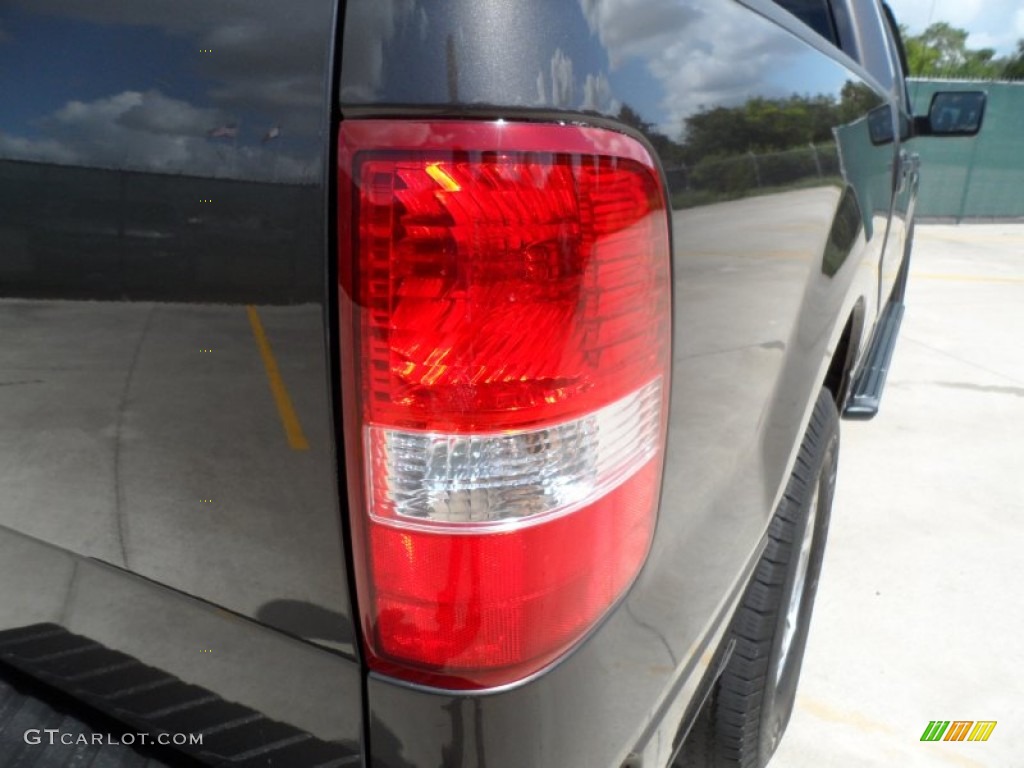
x,y
402,383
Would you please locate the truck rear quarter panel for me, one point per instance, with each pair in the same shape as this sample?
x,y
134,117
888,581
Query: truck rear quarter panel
x,y
776,237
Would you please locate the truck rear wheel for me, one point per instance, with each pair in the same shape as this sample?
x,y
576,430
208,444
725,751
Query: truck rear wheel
x,y
746,714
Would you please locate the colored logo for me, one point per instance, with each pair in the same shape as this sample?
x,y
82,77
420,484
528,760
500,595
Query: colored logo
x,y
959,730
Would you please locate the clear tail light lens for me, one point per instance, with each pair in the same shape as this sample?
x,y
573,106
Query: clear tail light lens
x,y
505,326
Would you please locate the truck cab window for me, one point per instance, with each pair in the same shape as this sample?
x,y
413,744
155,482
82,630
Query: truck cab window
x,y
814,13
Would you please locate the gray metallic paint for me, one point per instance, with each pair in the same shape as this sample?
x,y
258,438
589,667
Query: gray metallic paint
x,y
759,304
163,167
114,275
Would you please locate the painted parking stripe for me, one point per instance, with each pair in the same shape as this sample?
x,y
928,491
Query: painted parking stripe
x,y
285,409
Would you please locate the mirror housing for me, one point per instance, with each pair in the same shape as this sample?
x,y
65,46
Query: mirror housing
x,y
953,113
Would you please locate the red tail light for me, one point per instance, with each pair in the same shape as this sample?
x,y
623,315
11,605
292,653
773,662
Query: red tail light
x,y
505,358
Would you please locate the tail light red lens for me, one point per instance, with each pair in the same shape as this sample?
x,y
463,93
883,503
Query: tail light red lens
x,y
505,325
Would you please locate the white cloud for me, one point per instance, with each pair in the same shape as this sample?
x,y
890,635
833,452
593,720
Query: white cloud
x,y
265,68
993,23
154,113
150,131
262,58
633,26
701,59
18,147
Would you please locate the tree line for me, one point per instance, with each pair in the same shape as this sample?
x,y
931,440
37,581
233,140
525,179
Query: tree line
x,y
760,125
941,51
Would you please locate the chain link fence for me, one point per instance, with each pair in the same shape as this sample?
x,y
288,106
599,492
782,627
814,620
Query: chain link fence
x,y
719,178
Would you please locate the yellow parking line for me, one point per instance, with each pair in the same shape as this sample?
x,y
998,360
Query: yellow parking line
x,y
878,731
858,720
965,278
292,427
973,237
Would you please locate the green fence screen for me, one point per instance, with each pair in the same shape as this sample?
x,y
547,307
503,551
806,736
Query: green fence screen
x,y
980,177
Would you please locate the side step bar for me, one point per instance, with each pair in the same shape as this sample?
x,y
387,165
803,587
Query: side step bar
x,y
866,394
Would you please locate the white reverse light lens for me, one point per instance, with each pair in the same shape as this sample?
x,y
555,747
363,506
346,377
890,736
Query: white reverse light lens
x,y
475,482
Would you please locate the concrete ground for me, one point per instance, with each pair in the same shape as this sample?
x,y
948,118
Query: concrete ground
x,y
920,614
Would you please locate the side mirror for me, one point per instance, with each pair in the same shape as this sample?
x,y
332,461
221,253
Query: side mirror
x,y
953,113
880,125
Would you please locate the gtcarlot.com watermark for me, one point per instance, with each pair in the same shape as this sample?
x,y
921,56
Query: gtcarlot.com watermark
x,y
54,736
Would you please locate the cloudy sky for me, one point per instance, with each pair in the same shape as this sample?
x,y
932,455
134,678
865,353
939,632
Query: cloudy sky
x,y
995,24
127,84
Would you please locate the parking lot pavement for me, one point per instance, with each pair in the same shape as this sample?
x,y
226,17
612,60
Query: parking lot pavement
x,y
919,614
155,437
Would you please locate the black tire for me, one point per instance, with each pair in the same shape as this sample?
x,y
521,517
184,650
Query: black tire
x,y
746,714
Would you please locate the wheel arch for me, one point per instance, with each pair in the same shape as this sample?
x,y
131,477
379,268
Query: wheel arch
x,y
839,375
